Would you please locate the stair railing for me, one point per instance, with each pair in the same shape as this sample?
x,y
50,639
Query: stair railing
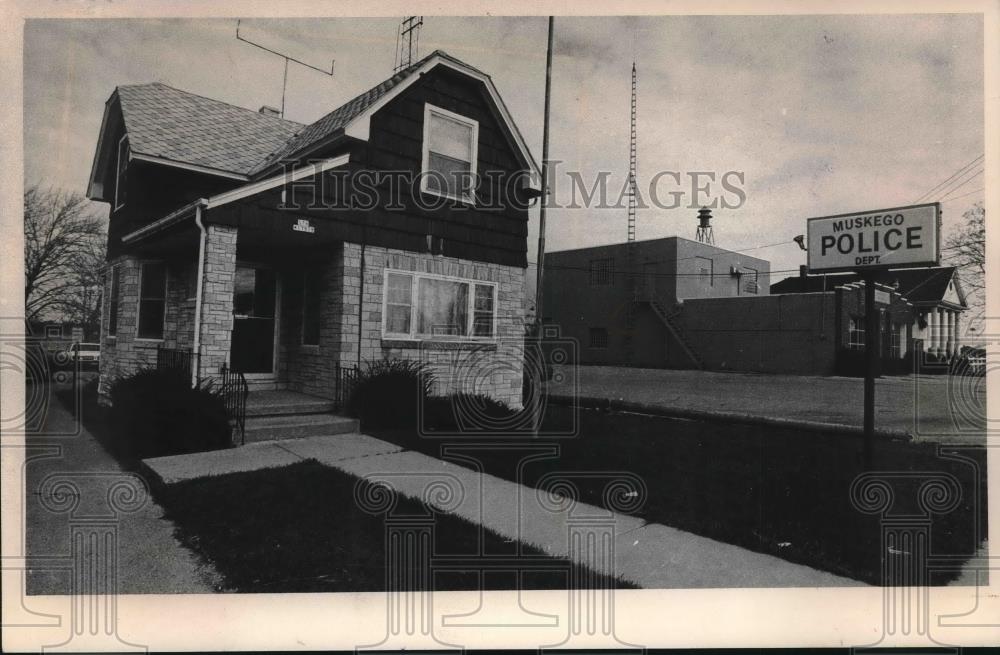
x,y
667,317
234,392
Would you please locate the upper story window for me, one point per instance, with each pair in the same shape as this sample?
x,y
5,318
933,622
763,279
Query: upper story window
x,y
122,170
749,281
450,148
419,306
602,272
705,270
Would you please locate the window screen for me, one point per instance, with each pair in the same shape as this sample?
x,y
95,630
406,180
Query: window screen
x,y
152,300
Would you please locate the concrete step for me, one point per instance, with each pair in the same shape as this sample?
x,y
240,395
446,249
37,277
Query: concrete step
x,y
265,385
303,405
292,426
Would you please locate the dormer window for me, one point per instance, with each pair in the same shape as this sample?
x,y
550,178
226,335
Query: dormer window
x,y
450,149
121,172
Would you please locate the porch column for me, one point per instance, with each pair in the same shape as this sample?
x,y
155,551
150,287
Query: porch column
x,y
216,328
958,335
951,332
936,330
929,343
942,331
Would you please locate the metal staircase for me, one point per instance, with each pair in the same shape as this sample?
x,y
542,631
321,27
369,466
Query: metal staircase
x,y
667,317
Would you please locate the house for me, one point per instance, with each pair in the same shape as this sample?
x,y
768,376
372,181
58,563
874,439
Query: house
x,y
393,226
677,303
935,294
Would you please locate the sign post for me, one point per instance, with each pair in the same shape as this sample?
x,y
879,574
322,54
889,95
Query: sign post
x,y
866,243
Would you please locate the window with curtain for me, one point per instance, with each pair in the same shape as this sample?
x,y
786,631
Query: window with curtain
x,y
152,300
427,306
449,153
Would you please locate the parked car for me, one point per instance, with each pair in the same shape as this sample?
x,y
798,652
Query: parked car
x,y
88,355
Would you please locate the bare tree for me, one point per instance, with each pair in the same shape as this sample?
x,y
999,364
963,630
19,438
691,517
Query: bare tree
x,y
63,251
967,250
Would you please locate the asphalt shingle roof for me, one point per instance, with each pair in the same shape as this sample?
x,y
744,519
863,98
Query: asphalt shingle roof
x,y
166,122
916,284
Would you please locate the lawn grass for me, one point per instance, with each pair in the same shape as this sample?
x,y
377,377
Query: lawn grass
x,y
299,529
782,491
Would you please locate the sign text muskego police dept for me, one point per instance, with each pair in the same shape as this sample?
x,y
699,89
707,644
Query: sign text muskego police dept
x,y
901,236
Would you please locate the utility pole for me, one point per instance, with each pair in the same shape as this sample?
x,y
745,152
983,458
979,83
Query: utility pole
x,y
540,258
540,272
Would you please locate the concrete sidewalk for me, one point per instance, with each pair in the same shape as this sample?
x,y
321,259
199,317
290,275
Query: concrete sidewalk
x,y
149,558
942,409
649,555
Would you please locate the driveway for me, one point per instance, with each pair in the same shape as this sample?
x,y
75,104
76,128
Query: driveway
x,y
942,409
71,483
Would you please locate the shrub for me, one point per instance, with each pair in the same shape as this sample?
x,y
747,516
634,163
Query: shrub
x,y
388,393
158,412
466,412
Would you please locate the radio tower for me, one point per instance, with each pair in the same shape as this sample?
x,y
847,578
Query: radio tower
x,y
631,166
407,42
630,245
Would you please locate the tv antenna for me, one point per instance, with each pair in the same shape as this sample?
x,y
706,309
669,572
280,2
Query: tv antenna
x,y
287,58
407,42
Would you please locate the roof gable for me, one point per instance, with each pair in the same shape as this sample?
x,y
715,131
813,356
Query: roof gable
x,y
174,127
353,117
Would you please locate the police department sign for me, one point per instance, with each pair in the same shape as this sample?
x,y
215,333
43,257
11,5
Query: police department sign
x,y
900,236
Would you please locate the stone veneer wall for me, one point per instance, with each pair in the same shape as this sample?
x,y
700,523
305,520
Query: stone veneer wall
x,y
494,369
311,368
489,368
124,353
217,298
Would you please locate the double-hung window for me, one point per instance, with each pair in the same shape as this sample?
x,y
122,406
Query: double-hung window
x,y
856,333
451,144
113,301
152,300
418,306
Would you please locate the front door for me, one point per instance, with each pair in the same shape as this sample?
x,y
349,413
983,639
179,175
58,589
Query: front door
x,y
252,349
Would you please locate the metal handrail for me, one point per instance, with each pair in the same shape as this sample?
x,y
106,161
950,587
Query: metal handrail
x,y
345,377
178,359
234,392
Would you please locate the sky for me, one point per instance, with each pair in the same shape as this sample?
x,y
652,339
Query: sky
x,y
817,115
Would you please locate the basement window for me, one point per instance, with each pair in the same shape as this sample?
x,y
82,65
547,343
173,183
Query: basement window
x,y
450,147
423,306
121,173
598,337
152,300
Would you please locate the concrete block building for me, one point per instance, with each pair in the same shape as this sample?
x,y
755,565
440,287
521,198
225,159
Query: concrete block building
x,y
676,303
394,226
